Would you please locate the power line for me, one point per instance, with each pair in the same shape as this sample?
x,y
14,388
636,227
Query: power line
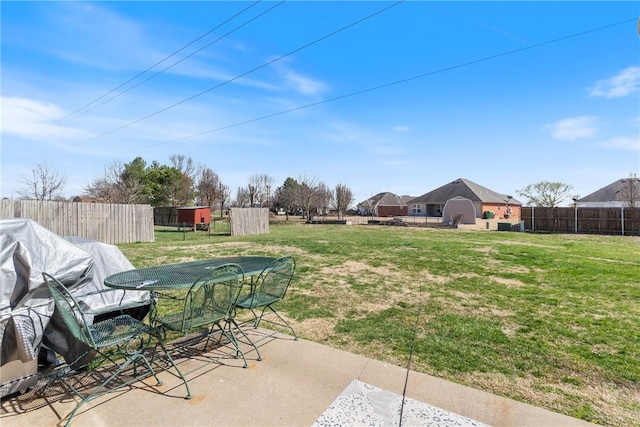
x,y
79,110
190,55
248,72
397,82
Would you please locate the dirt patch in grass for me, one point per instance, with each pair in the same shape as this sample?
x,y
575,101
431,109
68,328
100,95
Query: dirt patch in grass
x,y
315,329
497,279
425,276
523,243
356,267
485,250
608,403
281,250
615,261
507,282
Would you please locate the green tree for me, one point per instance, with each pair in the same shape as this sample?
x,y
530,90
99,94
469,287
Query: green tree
x,y
162,185
285,196
132,181
546,194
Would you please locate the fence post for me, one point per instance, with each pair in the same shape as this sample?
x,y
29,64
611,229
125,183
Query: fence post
x,y
533,218
622,219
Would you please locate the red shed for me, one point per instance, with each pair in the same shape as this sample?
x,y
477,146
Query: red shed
x,y
199,217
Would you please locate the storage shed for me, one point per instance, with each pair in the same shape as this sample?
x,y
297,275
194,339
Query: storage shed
x,y
459,210
198,217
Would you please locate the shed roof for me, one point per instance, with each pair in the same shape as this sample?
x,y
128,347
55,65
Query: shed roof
x,y
192,207
462,187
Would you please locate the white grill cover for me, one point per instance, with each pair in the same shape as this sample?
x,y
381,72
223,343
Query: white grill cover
x,y
26,251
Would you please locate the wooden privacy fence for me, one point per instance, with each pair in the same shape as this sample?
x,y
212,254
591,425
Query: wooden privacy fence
x,y
101,222
246,221
620,220
165,215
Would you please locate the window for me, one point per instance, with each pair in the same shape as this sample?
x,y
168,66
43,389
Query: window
x,y
416,209
438,210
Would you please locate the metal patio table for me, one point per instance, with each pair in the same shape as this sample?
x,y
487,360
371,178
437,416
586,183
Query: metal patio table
x,y
181,275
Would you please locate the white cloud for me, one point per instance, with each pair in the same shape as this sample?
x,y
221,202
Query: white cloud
x,y
573,128
304,85
109,40
625,83
624,143
33,119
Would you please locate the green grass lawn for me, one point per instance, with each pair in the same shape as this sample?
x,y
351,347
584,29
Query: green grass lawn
x,y
551,320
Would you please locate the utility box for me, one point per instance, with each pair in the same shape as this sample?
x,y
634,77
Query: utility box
x,y
198,217
504,226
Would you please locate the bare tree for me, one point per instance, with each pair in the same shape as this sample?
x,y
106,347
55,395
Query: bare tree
x,y
343,198
184,191
44,183
117,185
546,194
306,194
224,194
208,187
259,190
313,196
242,198
324,198
183,164
630,191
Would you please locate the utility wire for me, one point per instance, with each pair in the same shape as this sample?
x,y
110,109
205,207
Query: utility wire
x,y
190,55
80,111
397,82
411,351
248,72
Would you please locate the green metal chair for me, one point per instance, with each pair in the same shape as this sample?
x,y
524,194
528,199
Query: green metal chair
x,y
120,340
270,287
209,303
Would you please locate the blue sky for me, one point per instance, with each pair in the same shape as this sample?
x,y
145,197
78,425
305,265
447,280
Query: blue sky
x,y
505,94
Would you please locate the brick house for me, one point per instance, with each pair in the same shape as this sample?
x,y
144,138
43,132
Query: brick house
x,y
487,202
384,204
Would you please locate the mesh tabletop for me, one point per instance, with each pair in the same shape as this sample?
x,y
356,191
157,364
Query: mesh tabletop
x,y
181,275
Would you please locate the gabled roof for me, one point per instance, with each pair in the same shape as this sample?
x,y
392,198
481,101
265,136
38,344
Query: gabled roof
x,y
616,191
386,199
464,188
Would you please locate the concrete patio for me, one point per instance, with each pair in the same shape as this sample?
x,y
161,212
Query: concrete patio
x,y
292,386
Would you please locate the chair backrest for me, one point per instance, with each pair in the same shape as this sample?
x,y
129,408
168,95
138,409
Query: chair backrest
x,y
212,296
274,280
70,310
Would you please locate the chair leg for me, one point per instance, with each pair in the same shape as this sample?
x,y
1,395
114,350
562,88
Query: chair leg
x,y
166,353
233,340
284,322
121,367
233,322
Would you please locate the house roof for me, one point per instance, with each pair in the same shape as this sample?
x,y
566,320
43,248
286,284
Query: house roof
x,y
462,187
616,191
386,199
